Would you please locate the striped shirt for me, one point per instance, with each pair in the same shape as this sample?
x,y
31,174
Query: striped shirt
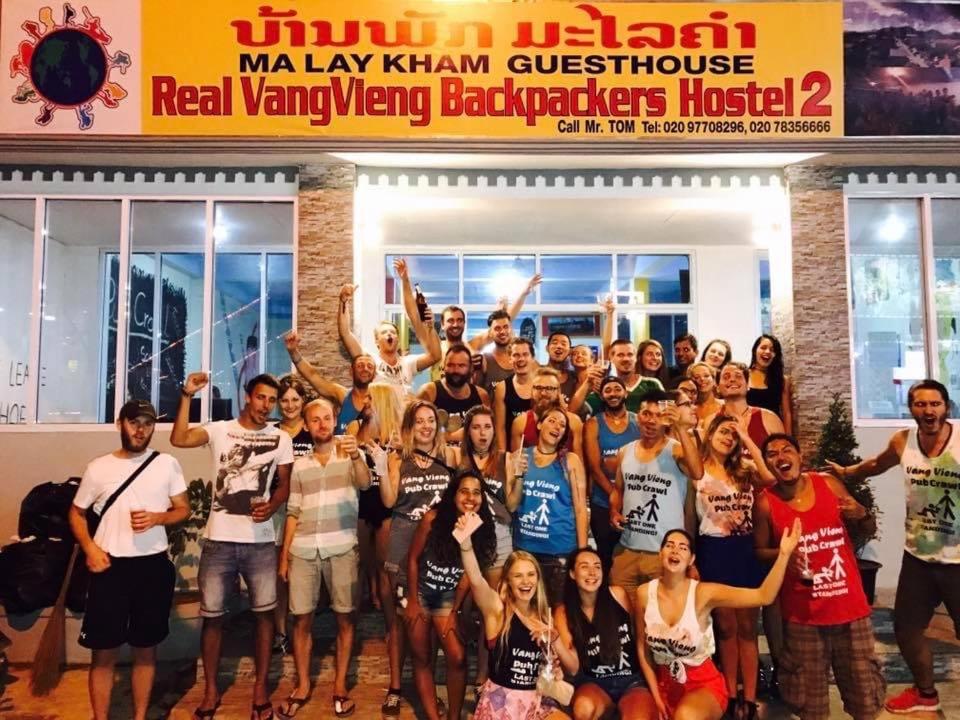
x,y
324,500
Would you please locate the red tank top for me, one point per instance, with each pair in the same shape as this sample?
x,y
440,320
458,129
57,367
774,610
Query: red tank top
x,y
755,428
531,435
836,596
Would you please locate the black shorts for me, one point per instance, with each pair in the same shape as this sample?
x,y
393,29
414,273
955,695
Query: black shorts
x,y
371,508
129,602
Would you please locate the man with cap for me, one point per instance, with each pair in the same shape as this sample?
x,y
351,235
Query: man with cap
x,y
131,578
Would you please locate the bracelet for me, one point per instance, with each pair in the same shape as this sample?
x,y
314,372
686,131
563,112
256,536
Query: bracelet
x,y
466,549
355,457
296,359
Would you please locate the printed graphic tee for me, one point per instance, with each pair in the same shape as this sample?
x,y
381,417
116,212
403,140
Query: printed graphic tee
x,y
933,500
654,493
244,462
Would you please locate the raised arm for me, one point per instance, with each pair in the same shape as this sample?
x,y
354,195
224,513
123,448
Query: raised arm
x,y
182,435
616,497
688,454
487,599
500,414
762,475
714,595
878,464
323,386
516,466
786,405
347,337
514,310
516,431
609,323
390,485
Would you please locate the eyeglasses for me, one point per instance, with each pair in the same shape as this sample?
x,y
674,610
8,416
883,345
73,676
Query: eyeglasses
x,y
546,388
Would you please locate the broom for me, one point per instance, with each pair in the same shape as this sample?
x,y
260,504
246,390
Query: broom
x,y
51,652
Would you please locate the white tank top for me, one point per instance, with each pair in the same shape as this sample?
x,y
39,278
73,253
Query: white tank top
x,y
933,500
677,646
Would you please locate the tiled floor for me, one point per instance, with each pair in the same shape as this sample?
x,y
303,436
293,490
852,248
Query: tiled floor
x,y
178,689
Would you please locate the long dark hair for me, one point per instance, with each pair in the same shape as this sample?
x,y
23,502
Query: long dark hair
x,y
774,373
441,538
606,619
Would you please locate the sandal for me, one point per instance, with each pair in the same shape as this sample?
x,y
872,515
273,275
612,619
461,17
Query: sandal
x,y
291,706
199,714
257,711
343,706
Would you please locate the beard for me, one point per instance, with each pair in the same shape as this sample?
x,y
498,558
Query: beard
x,y
130,445
615,407
361,384
320,439
456,380
453,336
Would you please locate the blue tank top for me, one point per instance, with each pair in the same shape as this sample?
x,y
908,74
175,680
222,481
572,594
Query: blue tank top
x,y
654,493
610,444
545,522
348,413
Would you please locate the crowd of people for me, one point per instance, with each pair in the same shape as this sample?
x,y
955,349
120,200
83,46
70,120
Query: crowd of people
x,y
616,523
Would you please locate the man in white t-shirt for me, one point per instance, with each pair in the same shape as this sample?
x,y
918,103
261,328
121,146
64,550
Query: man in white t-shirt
x,y
239,537
132,579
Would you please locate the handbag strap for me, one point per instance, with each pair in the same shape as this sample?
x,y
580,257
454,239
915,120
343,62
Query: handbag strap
x,y
126,483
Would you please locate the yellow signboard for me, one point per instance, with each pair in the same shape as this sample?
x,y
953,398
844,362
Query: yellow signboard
x,y
539,71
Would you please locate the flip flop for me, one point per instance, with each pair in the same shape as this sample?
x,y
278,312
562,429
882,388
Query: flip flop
x,y
343,706
291,707
257,711
199,714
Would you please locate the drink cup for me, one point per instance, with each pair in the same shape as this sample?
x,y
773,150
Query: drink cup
x,y
257,500
133,513
338,445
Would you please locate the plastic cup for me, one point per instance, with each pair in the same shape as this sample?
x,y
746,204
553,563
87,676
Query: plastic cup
x,y
338,445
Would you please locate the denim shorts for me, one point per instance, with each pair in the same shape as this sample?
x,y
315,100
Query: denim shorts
x,y
220,565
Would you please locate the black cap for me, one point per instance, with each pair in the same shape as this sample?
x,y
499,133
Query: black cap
x,y
132,409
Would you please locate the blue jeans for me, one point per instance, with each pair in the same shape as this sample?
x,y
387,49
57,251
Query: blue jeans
x,y
222,562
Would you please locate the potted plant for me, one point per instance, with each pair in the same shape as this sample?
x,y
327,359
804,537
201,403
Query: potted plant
x,y
838,444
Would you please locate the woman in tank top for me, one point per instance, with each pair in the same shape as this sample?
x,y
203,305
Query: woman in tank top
x,y
595,622
770,388
437,588
417,477
725,548
676,632
516,625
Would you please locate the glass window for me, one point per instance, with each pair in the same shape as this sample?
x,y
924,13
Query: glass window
x,y
78,330
166,308
486,278
640,325
246,270
575,278
643,279
437,275
885,273
16,294
946,292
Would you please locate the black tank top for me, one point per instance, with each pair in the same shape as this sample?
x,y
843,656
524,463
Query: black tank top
x,y
434,575
515,404
764,398
455,407
627,663
420,489
517,664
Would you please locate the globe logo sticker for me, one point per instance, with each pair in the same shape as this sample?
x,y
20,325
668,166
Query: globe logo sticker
x,y
67,66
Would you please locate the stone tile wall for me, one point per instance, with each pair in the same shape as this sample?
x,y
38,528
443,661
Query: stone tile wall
x,y
325,263
820,338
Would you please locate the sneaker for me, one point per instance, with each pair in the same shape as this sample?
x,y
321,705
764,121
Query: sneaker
x,y
910,700
281,644
391,705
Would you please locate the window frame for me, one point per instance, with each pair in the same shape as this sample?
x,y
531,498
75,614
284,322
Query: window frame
x,y
124,254
927,284
533,304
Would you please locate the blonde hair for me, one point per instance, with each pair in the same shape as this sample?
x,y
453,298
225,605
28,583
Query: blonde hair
x,y
439,449
387,407
538,602
733,463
